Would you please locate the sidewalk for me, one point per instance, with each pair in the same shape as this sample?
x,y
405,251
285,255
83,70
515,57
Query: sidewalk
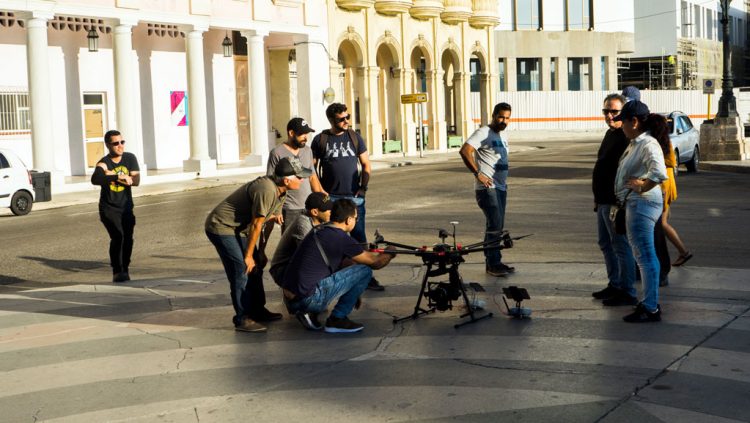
x,y
78,189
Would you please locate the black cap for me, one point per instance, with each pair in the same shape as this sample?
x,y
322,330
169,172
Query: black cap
x,y
318,200
299,126
633,108
289,166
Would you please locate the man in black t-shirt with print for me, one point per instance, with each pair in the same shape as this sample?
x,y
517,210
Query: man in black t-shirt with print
x,y
316,274
116,173
338,153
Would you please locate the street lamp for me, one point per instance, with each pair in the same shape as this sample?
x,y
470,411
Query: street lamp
x,y
93,39
227,46
727,102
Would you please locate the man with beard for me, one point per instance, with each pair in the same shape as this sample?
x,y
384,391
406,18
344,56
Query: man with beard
x,y
485,154
295,146
618,257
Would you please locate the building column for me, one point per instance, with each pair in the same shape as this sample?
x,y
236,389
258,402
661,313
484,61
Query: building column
x,y
371,107
409,113
42,137
596,73
126,84
312,81
432,111
439,124
485,79
546,76
562,73
259,128
462,99
200,161
511,74
611,70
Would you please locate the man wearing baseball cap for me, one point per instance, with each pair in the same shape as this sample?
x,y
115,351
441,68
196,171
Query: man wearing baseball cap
x,y
234,227
317,211
294,147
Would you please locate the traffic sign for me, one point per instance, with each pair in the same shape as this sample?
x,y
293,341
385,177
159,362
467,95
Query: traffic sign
x,y
414,98
709,86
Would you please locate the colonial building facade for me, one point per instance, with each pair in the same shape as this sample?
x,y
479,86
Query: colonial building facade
x,y
198,83
387,48
159,75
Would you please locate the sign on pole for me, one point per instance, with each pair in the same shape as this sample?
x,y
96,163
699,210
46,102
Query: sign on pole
x,y
414,98
709,86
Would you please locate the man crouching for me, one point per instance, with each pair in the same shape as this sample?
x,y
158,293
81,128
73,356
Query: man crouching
x,y
317,274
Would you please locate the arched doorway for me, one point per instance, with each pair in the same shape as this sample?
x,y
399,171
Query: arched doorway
x,y
452,96
389,95
351,83
420,80
478,90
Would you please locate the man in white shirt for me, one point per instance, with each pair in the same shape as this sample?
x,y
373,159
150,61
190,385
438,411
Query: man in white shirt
x,y
485,154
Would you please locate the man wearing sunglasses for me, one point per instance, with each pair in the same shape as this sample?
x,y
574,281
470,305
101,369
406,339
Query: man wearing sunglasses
x,y
618,257
338,152
116,173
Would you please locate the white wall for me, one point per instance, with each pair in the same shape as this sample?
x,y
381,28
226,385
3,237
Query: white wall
x,y
617,16
535,110
656,27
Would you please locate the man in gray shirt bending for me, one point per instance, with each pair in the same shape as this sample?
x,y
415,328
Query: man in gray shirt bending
x,y
295,146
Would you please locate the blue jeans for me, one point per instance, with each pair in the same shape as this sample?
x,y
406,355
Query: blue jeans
x,y
358,232
492,203
618,257
247,292
640,219
347,284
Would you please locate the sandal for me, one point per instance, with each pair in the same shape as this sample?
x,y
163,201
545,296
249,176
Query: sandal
x,y
682,259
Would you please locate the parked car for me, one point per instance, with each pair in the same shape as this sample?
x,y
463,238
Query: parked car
x,y
684,139
16,189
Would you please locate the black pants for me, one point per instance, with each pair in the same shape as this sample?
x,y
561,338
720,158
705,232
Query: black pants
x,y
120,226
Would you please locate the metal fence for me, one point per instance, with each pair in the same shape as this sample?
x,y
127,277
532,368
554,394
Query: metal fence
x,y
581,110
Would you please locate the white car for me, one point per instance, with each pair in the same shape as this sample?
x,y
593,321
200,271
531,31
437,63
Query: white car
x,y
16,189
685,138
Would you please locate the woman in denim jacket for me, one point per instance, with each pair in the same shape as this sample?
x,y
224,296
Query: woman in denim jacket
x,y
639,174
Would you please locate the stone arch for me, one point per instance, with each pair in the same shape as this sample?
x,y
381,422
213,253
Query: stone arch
x,y
479,86
389,42
452,91
389,73
419,75
350,88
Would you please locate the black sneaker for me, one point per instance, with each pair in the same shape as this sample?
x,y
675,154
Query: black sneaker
x,y
496,271
342,325
374,285
121,277
509,269
641,315
608,292
309,320
621,298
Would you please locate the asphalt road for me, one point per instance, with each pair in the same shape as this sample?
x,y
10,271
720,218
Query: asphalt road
x,y
549,197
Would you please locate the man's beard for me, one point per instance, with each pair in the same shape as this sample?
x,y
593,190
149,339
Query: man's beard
x,y
502,126
298,144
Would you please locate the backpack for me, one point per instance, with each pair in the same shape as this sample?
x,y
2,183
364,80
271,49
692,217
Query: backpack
x,y
324,146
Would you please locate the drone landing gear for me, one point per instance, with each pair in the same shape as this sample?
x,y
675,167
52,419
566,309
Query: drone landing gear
x,y
440,295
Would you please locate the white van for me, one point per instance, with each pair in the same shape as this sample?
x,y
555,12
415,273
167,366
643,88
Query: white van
x,y
16,189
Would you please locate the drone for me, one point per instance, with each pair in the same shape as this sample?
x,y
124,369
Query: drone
x,y
440,259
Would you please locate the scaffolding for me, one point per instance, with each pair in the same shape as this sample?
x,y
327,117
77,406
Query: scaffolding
x,y
687,64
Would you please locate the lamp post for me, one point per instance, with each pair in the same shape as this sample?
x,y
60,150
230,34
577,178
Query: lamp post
x,y
727,102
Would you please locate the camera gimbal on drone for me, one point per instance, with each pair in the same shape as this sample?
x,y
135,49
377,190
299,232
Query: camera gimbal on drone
x,y
441,259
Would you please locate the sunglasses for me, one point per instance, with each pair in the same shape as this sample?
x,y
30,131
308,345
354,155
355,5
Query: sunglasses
x,y
614,112
117,143
343,118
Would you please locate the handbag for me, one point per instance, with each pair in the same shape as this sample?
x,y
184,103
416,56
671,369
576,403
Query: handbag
x,y
617,215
